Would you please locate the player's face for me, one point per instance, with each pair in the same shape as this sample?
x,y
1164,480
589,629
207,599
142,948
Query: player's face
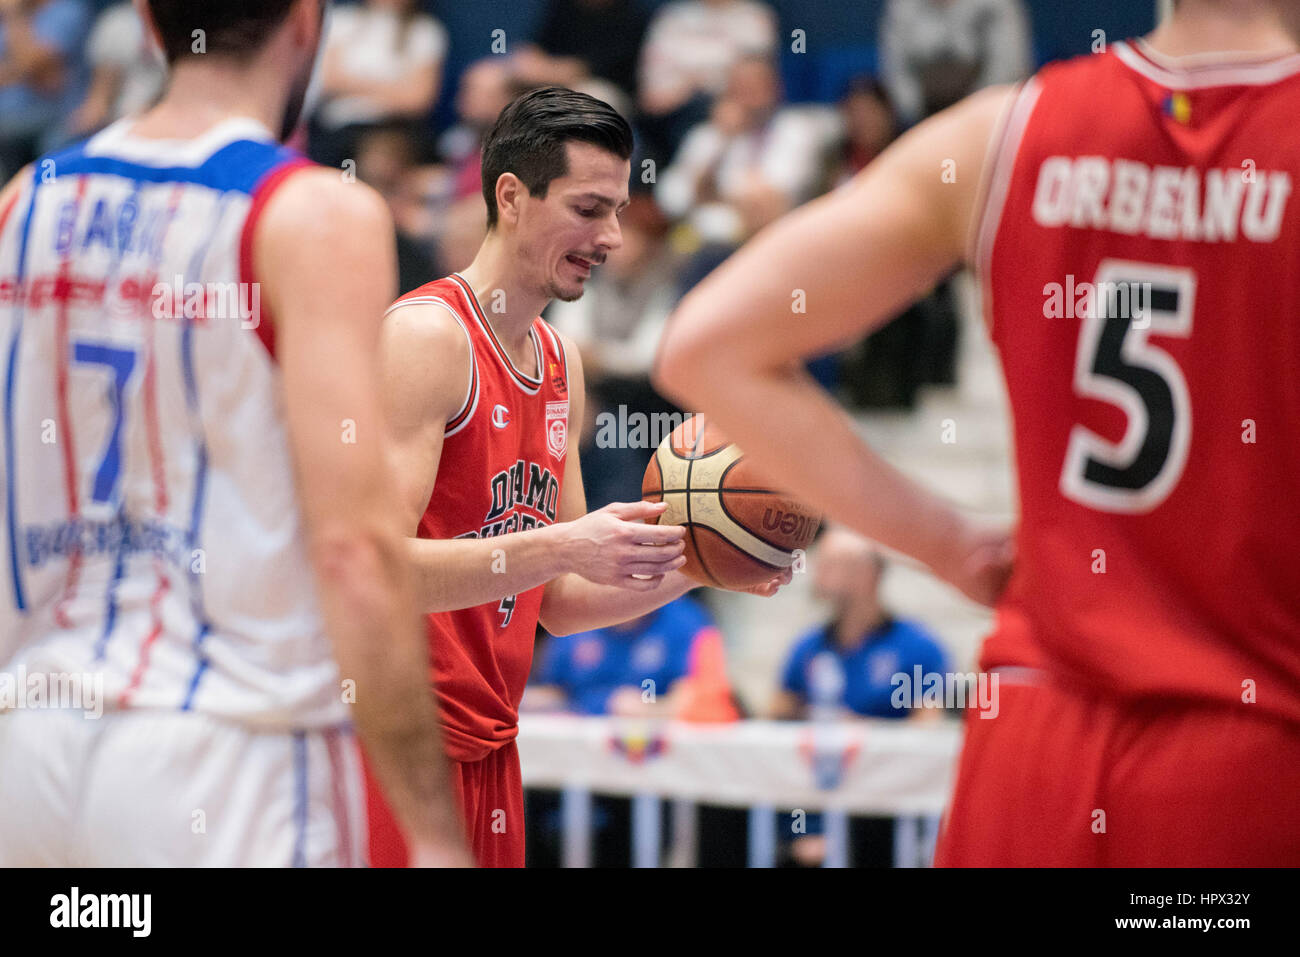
x,y
844,571
567,234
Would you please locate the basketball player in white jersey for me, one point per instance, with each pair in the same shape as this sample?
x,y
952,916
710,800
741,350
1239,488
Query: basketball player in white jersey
x,y
195,521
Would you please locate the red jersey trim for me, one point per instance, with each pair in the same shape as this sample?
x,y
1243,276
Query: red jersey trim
x,y
1002,167
466,412
262,194
10,206
558,343
1196,74
529,384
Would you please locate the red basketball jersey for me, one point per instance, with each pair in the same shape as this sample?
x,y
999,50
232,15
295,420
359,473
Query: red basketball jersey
x,y
501,471
1139,256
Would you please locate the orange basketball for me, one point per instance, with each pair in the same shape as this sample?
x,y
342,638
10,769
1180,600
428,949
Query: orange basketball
x,y
739,531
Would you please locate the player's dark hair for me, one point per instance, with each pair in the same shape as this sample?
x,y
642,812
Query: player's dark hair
x,y
528,139
235,28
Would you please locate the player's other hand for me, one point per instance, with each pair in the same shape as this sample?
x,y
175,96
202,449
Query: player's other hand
x,y
769,587
612,544
980,562
440,855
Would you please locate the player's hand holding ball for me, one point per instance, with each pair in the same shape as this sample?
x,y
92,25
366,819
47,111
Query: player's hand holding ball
x,y
613,544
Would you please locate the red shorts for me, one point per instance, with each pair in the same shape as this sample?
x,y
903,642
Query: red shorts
x,y
1060,778
490,793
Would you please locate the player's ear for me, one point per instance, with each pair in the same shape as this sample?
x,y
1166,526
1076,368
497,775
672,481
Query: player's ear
x,y
307,21
150,27
510,192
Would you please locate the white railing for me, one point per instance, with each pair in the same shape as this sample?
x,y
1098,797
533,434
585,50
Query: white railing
x,y
870,767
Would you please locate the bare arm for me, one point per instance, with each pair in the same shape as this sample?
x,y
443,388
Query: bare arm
x,y
858,255
426,377
327,330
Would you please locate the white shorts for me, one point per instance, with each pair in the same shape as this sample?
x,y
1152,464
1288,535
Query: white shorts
x,y
155,789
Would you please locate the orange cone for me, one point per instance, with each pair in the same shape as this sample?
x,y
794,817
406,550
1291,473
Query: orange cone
x,y
706,693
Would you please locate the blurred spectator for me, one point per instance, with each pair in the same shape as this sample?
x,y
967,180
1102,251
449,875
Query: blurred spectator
x,y
599,38
456,216
605,671
886,369
127,70
863,641
383,61
689,51
870,125
934,52
486,86
751,162
616,326
42,76
386,160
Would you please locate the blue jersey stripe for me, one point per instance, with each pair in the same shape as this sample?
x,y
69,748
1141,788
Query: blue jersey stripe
x,y
238,167
195,268
11,370
300,798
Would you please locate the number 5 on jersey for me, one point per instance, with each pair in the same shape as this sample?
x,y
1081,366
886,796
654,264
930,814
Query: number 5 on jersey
x,y
1116,363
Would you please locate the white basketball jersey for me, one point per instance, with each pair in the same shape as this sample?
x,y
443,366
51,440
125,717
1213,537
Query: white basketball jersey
x,y
149,529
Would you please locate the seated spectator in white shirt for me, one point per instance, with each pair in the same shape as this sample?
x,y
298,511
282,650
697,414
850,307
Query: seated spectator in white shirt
x,y
128,70
753,161
689,51
382,62
935,52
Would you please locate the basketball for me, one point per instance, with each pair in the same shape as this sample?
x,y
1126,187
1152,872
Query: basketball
x,y
739,531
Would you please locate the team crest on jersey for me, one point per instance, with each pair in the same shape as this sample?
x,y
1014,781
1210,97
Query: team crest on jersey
x,y
557,427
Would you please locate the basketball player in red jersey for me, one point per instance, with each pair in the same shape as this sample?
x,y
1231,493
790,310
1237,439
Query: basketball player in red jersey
x,y
484,396
1155,590
235,704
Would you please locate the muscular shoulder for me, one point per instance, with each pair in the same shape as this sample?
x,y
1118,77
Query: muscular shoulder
x,y
427,363
317,205
941,163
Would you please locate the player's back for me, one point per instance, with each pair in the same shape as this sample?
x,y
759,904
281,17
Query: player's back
x,y
1137,252
151,530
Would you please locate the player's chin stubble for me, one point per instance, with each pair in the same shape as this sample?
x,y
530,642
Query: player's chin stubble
x,y
564,295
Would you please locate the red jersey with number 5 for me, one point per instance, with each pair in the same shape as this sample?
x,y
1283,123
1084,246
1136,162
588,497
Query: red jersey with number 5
x,y
1138,254
501,471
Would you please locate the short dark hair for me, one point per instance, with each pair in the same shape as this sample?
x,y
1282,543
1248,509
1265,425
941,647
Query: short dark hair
x,y
528,139
236,28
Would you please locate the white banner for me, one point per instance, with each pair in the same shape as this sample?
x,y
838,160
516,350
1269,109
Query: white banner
x,y
866,767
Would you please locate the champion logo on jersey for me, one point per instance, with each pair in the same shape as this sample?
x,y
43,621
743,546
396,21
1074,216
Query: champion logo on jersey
x,y
500,416
557,427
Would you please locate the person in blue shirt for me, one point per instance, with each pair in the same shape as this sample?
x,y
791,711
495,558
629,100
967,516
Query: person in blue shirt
x,y
849,664
42,75
620,669
610,671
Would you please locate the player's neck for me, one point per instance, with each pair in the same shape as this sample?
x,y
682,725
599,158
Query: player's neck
x,y
509,304
1207,28
203,92
857,621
